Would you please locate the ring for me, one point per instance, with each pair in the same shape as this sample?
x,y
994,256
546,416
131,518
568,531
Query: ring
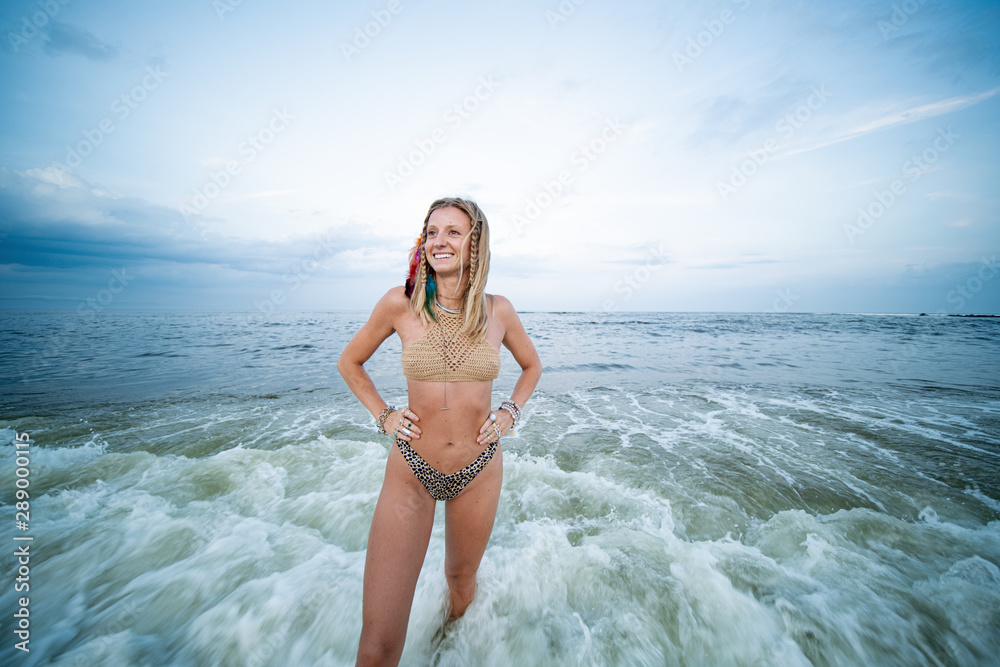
x,y
497,430
409,424
493,416
406,411
406,431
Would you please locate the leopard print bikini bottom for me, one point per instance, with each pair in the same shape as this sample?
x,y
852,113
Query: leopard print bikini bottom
x,y
439,485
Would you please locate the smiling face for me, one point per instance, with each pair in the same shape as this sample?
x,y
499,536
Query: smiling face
x,y
449,241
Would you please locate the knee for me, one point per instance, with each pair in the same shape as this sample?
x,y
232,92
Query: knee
x,y
377,653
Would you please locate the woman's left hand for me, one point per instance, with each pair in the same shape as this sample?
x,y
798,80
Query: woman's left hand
x,y
491,430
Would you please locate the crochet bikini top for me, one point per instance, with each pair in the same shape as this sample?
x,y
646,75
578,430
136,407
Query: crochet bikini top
x,y
442,355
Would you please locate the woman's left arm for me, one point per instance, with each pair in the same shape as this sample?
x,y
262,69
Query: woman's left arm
x,y
516,340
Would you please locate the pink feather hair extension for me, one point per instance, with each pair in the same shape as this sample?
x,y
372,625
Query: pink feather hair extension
x,y
416,254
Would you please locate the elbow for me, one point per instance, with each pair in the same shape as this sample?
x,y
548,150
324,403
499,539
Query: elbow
x,y
349,367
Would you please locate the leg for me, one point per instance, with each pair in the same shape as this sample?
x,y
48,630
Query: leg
x,y
468,524
397,544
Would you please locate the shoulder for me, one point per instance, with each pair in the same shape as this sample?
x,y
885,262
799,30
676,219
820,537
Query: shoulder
x,y
395,297
392,304
501,306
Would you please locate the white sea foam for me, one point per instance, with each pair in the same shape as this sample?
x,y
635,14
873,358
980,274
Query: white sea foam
x,y
652,513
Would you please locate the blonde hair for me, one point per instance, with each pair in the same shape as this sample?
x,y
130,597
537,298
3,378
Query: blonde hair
x,y
474,321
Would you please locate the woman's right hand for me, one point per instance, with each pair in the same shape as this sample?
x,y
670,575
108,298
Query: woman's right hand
x,y
403,419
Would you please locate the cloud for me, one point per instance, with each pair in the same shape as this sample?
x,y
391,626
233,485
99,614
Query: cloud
x,y
62,38
896,118
727,118
57,222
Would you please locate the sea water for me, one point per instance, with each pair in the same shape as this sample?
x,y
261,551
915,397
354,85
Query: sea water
x,y
683,489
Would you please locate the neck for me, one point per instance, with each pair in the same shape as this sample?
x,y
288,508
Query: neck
x,y
450,287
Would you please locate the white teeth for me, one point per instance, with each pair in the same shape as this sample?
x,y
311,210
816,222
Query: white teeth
x,y
442,256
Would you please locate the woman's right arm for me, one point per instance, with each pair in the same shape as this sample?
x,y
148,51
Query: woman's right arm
x,y
368,339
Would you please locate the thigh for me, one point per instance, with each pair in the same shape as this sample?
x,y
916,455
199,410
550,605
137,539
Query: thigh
x,y
397,544
469,518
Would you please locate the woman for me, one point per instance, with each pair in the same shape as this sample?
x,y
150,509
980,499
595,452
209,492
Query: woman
x,y
447,440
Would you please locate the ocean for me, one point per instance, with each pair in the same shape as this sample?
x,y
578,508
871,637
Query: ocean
x,y
683,489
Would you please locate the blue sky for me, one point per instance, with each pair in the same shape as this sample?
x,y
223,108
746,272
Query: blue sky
x,y
737,155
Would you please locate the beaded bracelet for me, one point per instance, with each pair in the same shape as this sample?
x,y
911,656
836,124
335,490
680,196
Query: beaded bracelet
x,y
380,420
513,408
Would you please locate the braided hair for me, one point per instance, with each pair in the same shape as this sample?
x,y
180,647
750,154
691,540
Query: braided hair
x,y
421,285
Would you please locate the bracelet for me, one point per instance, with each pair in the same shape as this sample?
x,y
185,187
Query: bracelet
x,y
513,408
380,420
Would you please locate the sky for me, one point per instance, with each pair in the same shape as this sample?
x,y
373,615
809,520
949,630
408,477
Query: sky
x,y
737,155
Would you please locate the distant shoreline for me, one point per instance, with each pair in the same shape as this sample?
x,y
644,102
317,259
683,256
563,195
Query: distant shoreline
x,y
961,315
